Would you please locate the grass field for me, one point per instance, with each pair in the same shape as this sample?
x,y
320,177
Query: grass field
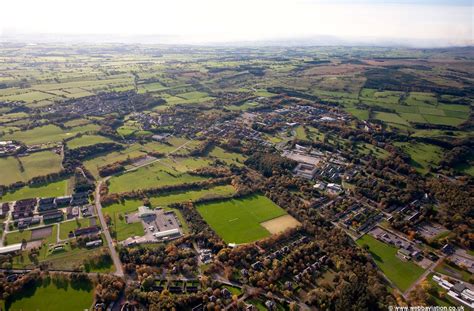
x,y
238,220
401,273
48,133
119,226
53,189
53,295
87,140
131,152
422,155
35,164
154,175
183,196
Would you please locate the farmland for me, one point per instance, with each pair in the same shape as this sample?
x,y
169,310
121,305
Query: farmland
x,y
25,168
238,220
54,189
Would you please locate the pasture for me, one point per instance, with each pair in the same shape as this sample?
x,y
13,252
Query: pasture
x,y
401,273
53,189
239,220
150,176
48,133
87,140
25,168
422,155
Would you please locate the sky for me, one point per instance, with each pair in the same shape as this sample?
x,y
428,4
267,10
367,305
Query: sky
x,y
448,22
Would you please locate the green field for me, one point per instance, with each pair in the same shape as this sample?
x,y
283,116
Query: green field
x,y
35,164
401,273
131,152
238,220
53,295
422,155
53,189
87,140
150,176
183,196
48,133
119,226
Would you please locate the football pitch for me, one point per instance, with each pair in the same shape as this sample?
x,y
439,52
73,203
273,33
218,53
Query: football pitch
x,y
239,220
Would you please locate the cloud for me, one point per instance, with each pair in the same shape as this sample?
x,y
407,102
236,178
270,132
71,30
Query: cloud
x,y
231,20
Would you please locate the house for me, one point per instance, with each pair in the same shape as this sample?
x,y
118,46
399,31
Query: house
x,y
448,249
95,243
226,293
56,215
257,265
46,204
10,249
63,201
5,208
86,231
403,253
270,304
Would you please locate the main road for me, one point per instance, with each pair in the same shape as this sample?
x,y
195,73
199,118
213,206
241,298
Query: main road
x,y
105,230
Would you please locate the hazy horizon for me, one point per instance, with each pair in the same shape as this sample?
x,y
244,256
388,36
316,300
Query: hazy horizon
x,y
422,23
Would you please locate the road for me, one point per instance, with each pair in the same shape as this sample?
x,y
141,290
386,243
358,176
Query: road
x,y
105,230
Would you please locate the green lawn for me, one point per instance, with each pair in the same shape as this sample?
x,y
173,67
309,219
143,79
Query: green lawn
x,y
401,273
87,140
151,176
35,164
53,295
227,156
53,189
238,220
119,226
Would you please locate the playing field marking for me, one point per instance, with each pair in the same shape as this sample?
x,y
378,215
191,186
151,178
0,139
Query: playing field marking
x,y
233,219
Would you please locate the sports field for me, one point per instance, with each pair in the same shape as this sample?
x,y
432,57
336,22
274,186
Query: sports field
x,y
401,273
239,220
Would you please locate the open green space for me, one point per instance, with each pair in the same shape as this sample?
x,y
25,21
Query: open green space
x,y
87,140
48,133
53,294
238,220
150,176
183,196
120,228
53,189
25,168
401,273
422,155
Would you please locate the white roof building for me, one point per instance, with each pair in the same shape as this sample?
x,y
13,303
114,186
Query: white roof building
x,y
144,211
10,248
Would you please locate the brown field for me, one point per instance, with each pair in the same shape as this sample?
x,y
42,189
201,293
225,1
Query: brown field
x,y
41,233
280,224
